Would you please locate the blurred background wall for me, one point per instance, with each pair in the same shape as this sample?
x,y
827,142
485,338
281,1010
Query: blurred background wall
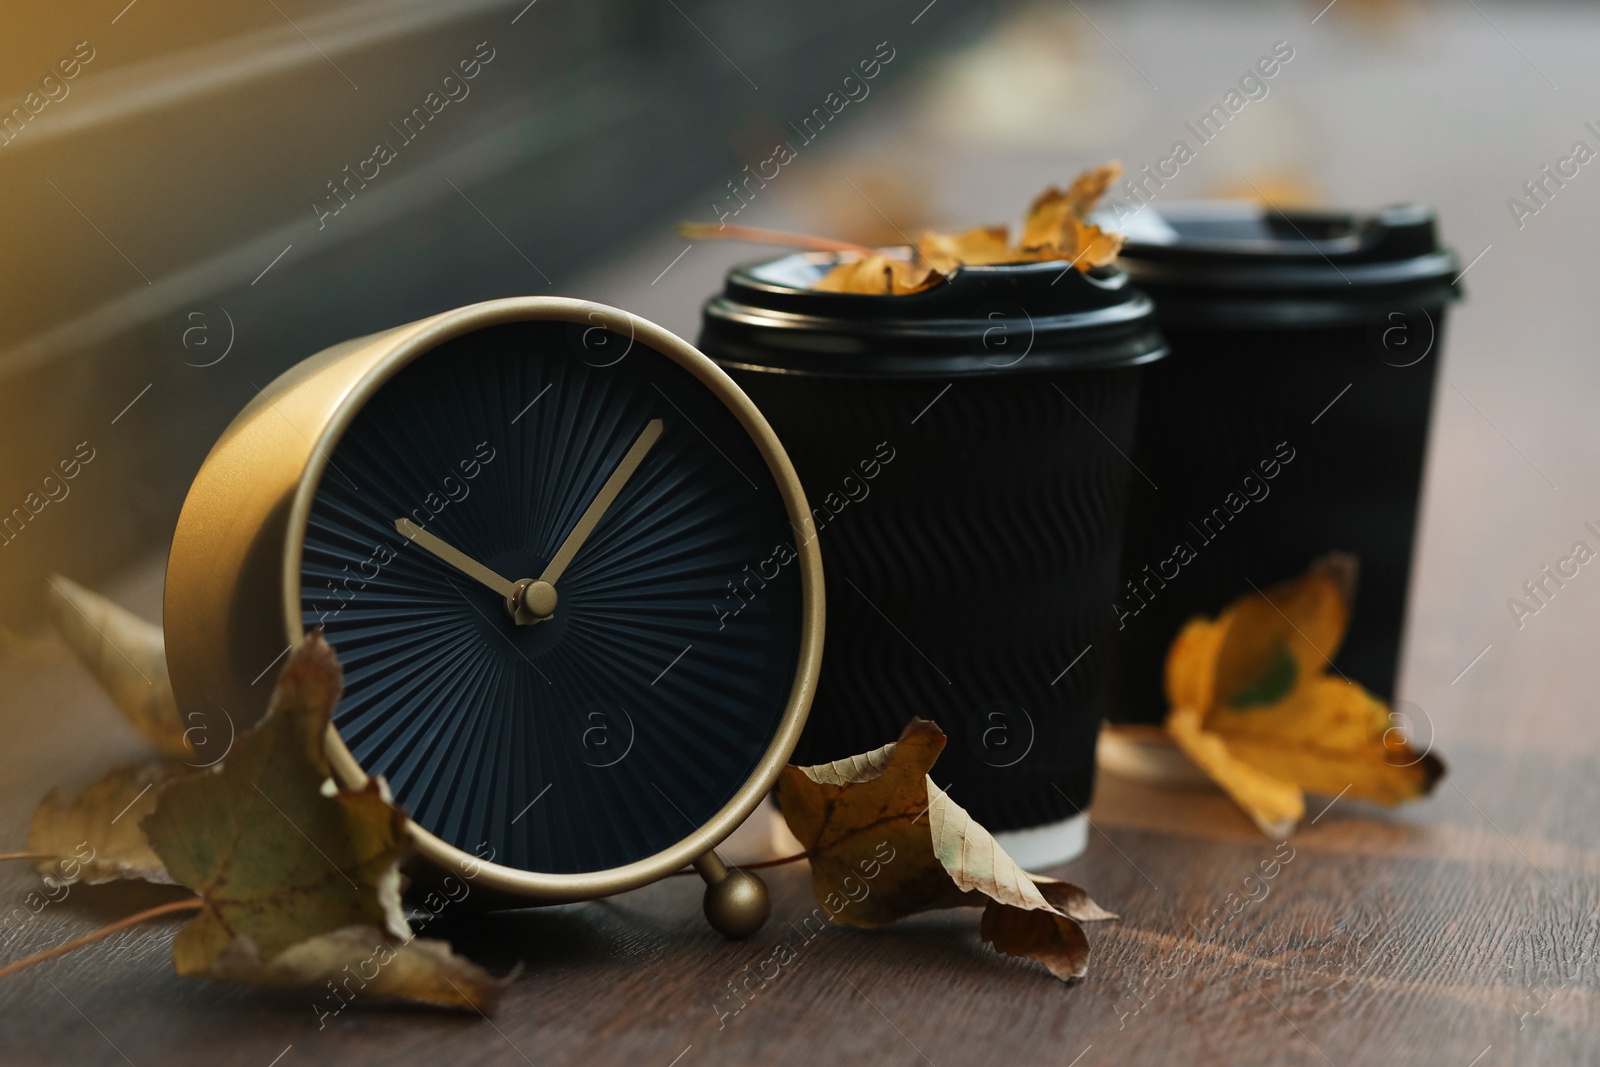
x,y
194,197
167,208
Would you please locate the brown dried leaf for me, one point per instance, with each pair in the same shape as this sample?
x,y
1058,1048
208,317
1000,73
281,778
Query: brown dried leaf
x,y
97,838
1041,227
1090,186
1053,230
984,244
973,859
1020,918
283,868
1087,245
1054,227
363,961
885,842
1051,208
878,275
870,813
127,655
1071,900
1044,936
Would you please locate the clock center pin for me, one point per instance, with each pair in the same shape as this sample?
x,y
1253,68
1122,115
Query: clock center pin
x,y
532,600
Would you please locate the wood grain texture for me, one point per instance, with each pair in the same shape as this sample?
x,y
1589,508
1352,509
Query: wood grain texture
x,y
1425,935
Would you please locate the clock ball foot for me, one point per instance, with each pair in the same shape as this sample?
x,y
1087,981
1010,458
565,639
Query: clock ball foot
x,y
736,902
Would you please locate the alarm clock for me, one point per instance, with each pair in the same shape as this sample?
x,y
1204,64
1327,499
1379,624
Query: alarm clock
x,y
564,562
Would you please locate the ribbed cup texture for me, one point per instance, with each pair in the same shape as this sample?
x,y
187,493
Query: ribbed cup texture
x,y
969,572
1221,405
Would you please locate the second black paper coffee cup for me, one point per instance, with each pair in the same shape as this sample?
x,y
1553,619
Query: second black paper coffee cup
x,y
1290,421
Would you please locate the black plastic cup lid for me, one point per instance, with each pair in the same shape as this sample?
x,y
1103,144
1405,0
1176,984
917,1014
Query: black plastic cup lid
x,y
1013,318
1239,260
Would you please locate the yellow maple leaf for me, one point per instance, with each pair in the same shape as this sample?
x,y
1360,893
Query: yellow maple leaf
x,y
1253,704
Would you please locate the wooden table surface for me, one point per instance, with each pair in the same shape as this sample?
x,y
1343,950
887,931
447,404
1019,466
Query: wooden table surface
x,y
1461,931
1429,935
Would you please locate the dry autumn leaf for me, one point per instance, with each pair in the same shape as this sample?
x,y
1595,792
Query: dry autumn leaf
x,y
1253,704
885,842
127,655
981,245
1089,187
1041,227
1087,245
884,791
299,880
98,833
878,275
1056,228
421,970
1055,940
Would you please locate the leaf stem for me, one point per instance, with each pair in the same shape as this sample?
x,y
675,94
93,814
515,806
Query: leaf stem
x,y
27,856
704,231
192,904
798,856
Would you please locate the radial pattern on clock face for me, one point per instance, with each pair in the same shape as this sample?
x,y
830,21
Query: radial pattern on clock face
x,y
623,721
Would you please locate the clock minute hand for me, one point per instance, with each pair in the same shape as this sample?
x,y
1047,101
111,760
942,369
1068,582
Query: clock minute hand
x,y
603,500
456,558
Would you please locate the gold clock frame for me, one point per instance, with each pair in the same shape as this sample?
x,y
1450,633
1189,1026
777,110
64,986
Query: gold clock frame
x,y
232,597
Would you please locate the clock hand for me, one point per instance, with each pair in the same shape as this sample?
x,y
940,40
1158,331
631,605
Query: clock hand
x,y
532,601
597,507
527,601
456,558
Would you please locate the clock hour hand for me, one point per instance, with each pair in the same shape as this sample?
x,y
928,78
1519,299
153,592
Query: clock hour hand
x,y
603,500
456,558
532,601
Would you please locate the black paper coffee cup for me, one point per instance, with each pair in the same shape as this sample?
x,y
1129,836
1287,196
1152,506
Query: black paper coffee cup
x,y
1291,420
964,450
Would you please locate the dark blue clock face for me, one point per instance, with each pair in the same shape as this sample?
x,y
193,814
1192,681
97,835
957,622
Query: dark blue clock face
x,y
627,718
